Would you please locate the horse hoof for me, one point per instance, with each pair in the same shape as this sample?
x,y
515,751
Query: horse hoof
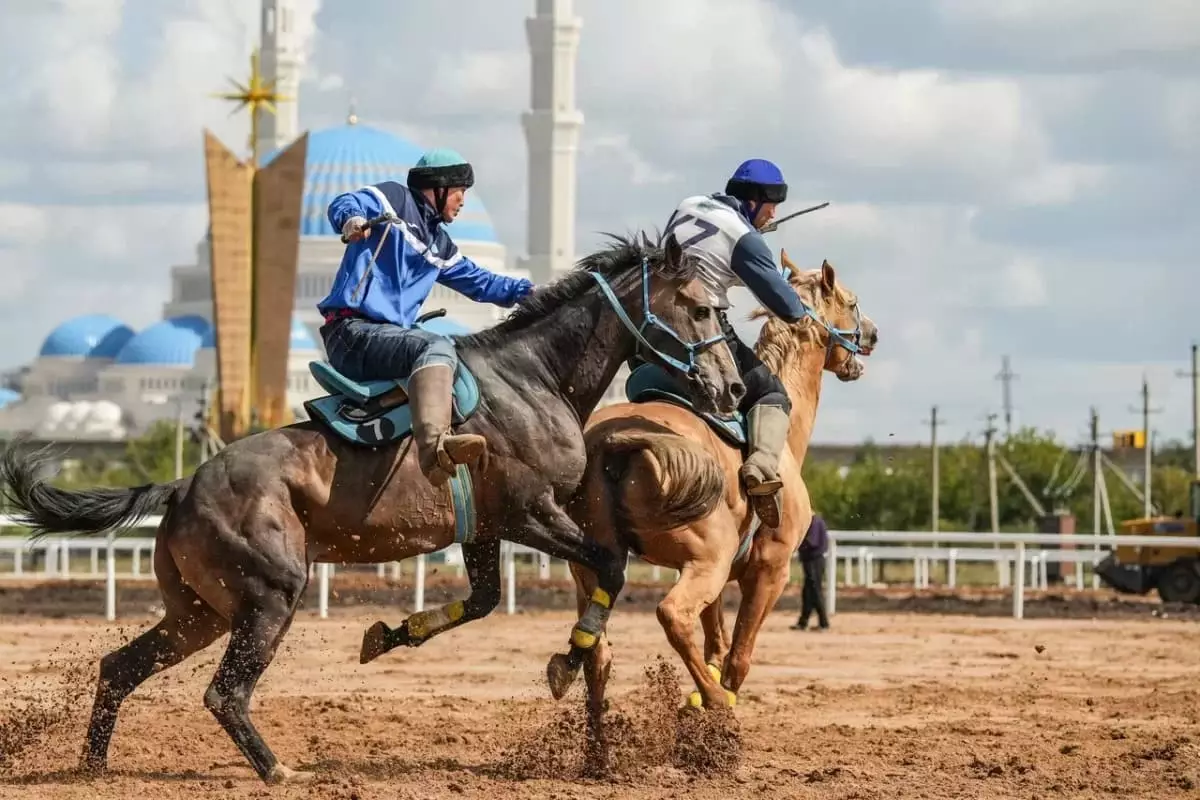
x,y
696,700
92,766
560,675
280,774
374,643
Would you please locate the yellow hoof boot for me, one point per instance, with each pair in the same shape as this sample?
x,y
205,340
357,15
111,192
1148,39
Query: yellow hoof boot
x,y
696,700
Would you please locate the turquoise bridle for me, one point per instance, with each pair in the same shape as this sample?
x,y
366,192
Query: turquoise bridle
x,y
689,352
849,340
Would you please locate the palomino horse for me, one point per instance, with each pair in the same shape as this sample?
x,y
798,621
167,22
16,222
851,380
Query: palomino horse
x,y
662,483
237,538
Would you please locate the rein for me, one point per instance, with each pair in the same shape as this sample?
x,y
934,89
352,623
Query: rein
x,y
689,350
838,337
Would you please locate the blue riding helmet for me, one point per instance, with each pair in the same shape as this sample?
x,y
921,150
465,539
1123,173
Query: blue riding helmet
x,y
755,182
442,169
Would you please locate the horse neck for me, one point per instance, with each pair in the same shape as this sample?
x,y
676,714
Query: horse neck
x,y
574,352
802,379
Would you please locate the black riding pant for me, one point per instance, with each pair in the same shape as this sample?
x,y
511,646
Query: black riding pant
x,y
812,595
762,385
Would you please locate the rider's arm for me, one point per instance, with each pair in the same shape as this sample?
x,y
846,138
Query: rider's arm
x,y
752,262
353,204
481,285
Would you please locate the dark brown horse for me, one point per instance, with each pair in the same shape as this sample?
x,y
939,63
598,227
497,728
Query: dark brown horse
x,y
237,537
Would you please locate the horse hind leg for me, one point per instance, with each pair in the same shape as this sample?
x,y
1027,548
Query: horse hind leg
x,y
188,626
258,627
482,560
716,643
698,586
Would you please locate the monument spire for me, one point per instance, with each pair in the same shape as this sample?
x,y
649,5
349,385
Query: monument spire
x,y
552,126
281,62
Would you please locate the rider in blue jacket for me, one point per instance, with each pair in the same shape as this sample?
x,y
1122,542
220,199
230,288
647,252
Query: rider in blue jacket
x,y
370,311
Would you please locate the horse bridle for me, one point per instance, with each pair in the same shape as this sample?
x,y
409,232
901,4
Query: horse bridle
x,y
849,340
691,351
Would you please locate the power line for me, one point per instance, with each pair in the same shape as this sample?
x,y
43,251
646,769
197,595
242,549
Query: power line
x,y
1006,376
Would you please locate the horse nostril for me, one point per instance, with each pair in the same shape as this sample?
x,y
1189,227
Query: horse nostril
x,y
737,390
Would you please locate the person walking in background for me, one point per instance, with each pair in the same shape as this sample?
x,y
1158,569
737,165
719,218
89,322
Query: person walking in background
x,y
812,559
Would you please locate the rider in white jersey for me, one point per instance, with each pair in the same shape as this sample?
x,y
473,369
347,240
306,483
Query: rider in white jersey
x,y
721,231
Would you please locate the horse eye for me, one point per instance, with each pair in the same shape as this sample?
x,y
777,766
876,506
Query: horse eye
x,y
702,314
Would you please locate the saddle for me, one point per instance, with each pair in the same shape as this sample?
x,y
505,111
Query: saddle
x,y
375,413
650,382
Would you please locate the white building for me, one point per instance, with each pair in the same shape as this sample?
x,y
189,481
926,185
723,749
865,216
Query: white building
x,y
96,378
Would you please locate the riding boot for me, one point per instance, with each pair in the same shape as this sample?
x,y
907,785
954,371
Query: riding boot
x,y
438,451
767,434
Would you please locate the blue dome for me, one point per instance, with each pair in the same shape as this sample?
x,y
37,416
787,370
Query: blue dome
x,y
351,156
90,336
8,396
446,327
300,339
172,342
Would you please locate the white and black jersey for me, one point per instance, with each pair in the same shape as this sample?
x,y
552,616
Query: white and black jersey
x,y
731,252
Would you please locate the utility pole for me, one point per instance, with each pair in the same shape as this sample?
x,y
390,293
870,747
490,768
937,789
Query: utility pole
x,y
935,510
1006,376
990,450
1147,449
1097,492
989,436
1194,374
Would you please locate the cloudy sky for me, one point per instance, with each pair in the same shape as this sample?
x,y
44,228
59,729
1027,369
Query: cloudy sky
x,y
1011,177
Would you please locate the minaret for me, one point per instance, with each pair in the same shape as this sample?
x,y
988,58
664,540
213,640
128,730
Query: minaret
x,y
552,128
281,65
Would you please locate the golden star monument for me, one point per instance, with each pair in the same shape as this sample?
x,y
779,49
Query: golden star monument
x,y
254,216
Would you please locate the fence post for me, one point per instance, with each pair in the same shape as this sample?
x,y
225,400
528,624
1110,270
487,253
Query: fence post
x,y
323,590
110,580
510,580
1018,582
831,569
419,591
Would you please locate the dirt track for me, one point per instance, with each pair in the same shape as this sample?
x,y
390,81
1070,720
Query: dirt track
x,y
883,706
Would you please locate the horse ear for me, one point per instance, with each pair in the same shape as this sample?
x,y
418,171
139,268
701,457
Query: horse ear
x,y
828,278
646,240
673,252
789,266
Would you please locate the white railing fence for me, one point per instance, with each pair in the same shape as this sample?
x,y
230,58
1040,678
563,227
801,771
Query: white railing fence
x,y
1023,556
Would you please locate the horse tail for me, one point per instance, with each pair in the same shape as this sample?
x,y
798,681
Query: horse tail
x,y
687,481
47,509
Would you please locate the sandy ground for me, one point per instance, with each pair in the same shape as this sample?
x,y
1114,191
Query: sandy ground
x,y
883,706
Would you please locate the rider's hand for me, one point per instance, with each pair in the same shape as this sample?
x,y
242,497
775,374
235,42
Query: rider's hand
x,y
355,229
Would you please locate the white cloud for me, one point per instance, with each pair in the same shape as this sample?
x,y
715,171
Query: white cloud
x,y
966,205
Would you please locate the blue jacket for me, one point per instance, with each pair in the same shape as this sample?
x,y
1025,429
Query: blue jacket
x,y
816,541
418,252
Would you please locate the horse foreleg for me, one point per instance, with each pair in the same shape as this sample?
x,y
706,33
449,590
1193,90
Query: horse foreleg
x,y
762,582
482,560
596,668
552,531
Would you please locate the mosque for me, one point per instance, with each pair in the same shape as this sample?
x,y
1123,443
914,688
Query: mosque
x,y
97,379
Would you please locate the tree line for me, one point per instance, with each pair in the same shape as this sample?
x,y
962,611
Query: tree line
x,y
882,489
892,490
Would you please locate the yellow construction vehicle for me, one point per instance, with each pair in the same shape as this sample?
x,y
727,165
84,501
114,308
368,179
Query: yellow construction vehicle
x,y
1173,571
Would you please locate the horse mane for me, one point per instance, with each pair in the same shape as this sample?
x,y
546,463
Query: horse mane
x,y
622,256
780,344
